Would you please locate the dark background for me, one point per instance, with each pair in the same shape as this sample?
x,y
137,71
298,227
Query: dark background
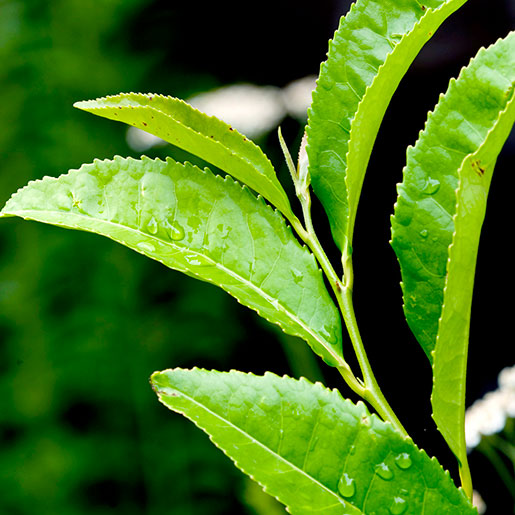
x,y
84,322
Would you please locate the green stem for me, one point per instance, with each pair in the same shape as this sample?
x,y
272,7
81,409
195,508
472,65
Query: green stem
x,y
373,393
369,390
465,477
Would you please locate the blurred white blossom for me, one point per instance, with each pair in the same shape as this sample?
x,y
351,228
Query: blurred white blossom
x,y
252,110
297,96
478,502
488,415
140,140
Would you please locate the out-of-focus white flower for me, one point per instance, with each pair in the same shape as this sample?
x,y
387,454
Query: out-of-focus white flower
x,y
140,140
297,96
488,415
478,502
252,110
507,378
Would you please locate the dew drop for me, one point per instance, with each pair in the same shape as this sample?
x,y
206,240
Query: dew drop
x,y
346,486
431,186
398,506
423,233
145,247
352,450
384,472
403,461
152,226
297,276
192,259
176,231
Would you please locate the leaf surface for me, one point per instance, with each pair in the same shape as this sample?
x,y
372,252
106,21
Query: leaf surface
x,y
207,137
314,451
370,53
200,224
438,219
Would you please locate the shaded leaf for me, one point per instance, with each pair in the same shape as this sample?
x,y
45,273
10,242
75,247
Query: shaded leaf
x,y
200,224
314,451
205,136
371,51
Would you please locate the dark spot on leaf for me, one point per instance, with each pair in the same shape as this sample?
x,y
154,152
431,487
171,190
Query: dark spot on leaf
x,y
423,7
231,129
144,123
478,168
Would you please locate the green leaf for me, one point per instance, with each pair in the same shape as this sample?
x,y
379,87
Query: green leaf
x,y
200,224
312,450
370,53
438,218
205,136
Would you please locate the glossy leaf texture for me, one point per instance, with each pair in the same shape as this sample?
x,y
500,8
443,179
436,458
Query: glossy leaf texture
x,y
312,450
370,53
207,137
438,218
200,224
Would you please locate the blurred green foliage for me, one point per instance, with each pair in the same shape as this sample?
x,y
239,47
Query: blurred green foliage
x,y
84,322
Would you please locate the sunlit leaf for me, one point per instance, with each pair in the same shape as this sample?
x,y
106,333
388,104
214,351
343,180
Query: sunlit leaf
x,y
200,224
205,136
370,53
314,451
438,218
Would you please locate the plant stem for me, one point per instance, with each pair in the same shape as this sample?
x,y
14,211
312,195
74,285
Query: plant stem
x,y
369,390
465,477
373,393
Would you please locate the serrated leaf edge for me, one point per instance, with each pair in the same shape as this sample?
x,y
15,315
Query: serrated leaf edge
x,y
429,118
391,55
85,106
461,436
233,183
326,392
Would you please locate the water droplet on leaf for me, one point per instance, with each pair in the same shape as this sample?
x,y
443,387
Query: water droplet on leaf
x,y
431,186
398,506
403,461
423,233
346,486
384,472
297,276
152,226
176,231
145,247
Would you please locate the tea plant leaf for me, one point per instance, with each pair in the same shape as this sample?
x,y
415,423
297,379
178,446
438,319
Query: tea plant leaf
x,y
200,224
371,51
205,136
305,445
438,218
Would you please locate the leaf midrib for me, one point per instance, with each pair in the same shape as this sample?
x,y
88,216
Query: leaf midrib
x,y
327,346
341,502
